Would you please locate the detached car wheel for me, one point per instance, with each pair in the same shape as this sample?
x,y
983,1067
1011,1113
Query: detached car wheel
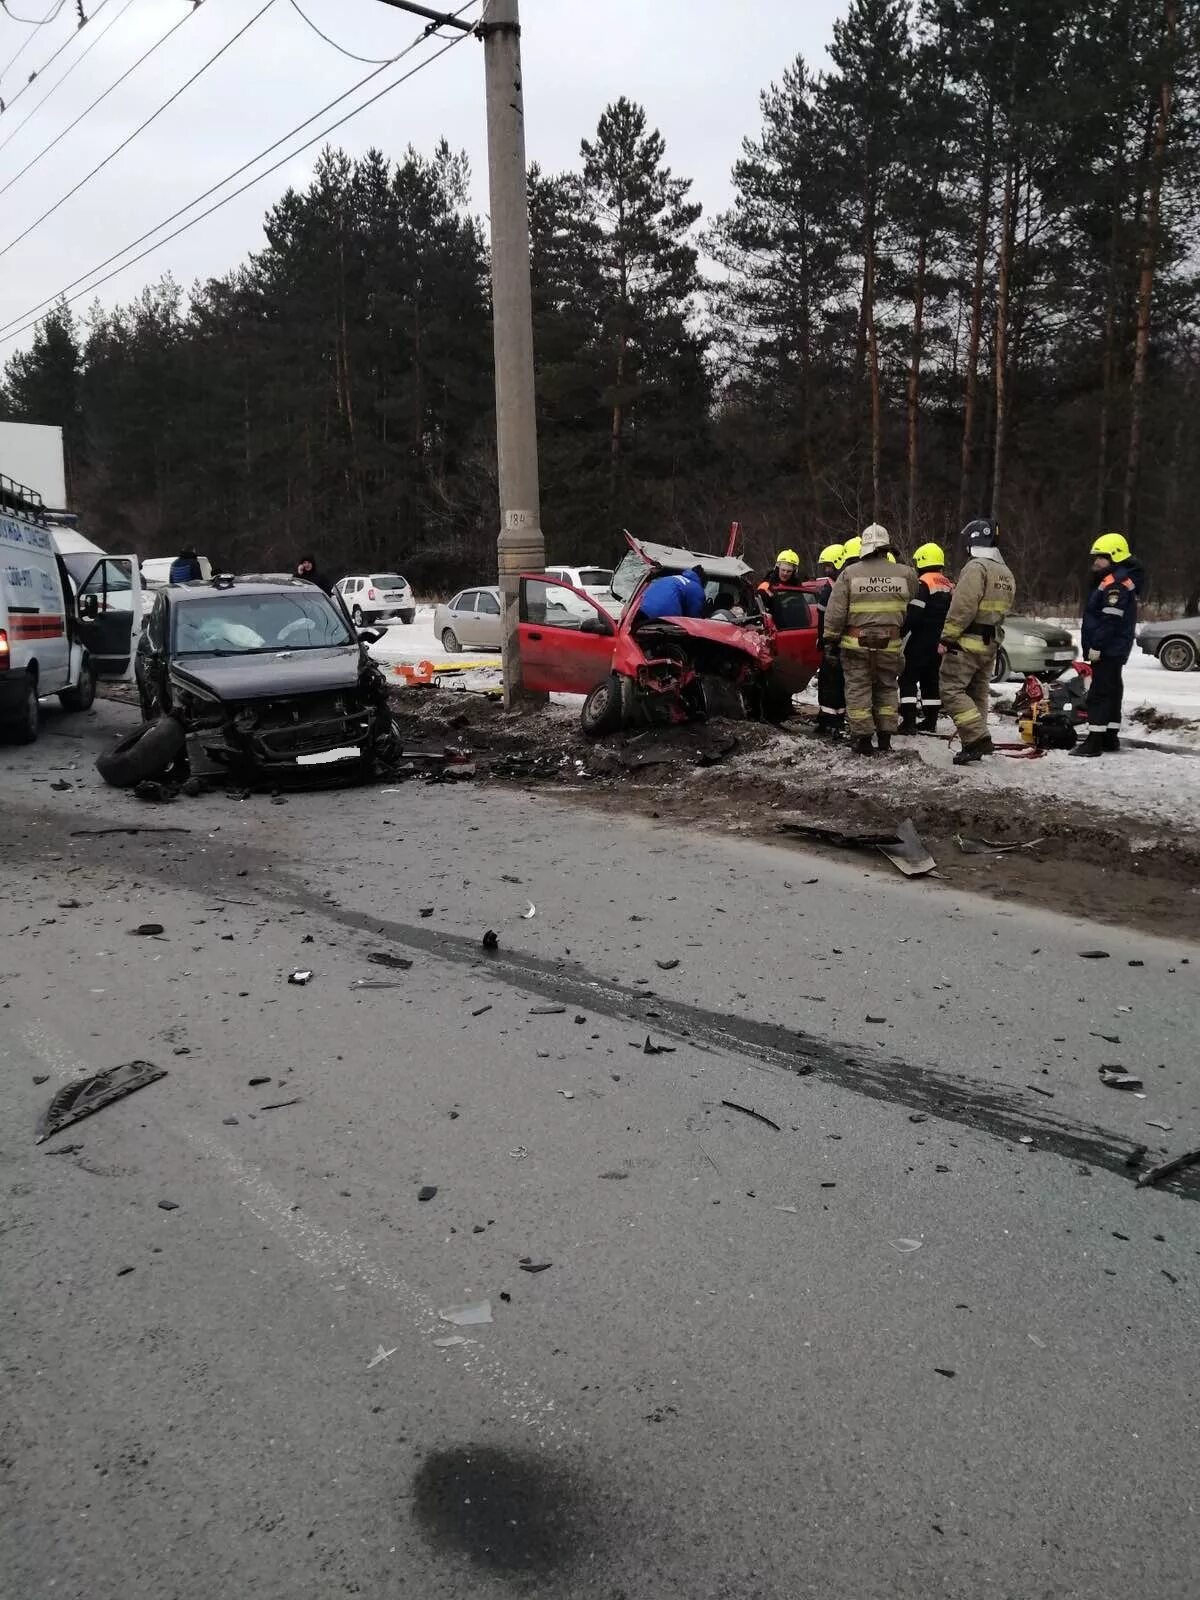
x,y
1002,667
145,753
450,641
22,727
604,709
1178,655
82,696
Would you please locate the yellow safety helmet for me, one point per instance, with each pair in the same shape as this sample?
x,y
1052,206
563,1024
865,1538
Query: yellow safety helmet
x,y
852,549
833,555
1113,545
788,558
929,555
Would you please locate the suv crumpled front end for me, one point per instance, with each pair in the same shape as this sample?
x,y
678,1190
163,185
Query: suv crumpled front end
x,y
231,728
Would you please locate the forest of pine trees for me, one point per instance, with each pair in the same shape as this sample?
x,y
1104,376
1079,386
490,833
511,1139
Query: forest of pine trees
x,y
960,273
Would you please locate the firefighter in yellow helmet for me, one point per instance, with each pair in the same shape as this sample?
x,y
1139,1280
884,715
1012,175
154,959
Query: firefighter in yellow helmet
x,y
785,574
1109,626
831,683
922,632
985,594
864,621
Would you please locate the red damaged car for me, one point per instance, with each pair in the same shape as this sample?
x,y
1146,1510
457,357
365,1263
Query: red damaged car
x,y
746,657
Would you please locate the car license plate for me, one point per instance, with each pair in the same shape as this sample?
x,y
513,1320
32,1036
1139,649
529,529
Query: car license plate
x,y
323,758
394,594
1062,655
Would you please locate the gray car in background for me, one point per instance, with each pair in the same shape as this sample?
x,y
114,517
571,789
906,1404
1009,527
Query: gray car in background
x,y
1029,646
471,620
1176,643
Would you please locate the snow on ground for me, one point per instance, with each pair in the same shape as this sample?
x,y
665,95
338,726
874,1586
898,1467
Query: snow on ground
x,y
1163,788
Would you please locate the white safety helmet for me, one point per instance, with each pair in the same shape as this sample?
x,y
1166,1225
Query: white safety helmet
x,y
874,538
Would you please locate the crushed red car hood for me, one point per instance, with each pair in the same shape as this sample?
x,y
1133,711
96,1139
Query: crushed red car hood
x,y
727,633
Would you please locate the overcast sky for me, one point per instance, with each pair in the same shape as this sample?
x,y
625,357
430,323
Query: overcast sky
x,y
696,65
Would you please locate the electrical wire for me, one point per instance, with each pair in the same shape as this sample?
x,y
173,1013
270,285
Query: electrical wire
x,y
32,22
67,300
46,65
367,61
29,319
128,140
34,27
58,138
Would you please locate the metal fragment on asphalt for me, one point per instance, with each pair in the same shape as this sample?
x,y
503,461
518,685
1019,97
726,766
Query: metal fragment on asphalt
x,y
907,1246
302,977
528,914
381,1355
80,1099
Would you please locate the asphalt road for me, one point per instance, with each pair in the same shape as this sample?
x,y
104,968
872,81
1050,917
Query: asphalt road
x,y
736,1378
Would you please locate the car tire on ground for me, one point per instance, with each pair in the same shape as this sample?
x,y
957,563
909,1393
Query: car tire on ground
x,y
22,726
450,641
604,709
1002,667
145,753
356,616
82,696
1177,655
407,617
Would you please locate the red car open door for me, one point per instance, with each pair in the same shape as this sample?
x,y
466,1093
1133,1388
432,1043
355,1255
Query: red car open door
x,y
566,640
797,652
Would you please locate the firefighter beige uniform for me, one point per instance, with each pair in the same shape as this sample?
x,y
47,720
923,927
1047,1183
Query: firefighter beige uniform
x,y
865,615
984,595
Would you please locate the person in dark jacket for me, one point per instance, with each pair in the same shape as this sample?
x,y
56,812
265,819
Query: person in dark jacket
x,y
306,568
922,635
831,682
675,594
1109,626
186,567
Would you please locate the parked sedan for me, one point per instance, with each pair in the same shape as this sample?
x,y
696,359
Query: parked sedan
x,y
471,621
378,597
1029,646
1176,644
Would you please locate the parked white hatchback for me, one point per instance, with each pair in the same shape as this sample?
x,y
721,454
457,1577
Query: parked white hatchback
x,y
596,581
378,597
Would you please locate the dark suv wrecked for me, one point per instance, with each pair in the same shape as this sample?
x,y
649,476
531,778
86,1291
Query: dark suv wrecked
x,y
246,676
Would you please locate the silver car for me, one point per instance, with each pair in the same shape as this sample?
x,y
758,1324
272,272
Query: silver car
x,y
1176,644
1028,645
471,621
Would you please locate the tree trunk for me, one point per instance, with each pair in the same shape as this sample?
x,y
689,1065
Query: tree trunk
x,y
1137,392
976,334
1000,359
868,318
1108,363
914,381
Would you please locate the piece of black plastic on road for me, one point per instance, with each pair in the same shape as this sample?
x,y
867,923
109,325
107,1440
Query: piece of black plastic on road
x,y
747,1112
80,1099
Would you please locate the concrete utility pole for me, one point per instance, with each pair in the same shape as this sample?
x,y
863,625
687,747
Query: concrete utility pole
x,y
521,546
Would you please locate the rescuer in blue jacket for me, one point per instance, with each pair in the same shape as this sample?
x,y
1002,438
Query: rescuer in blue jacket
x,y
1109,626
676,594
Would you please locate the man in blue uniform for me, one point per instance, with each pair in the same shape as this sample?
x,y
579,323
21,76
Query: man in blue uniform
x,y
1109,626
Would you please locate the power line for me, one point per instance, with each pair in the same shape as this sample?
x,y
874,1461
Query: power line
x,y
46,65
141,127
33,22
8,337
58,138
34,27
367,61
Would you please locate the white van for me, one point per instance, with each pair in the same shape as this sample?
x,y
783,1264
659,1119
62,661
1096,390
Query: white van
x,y
60,628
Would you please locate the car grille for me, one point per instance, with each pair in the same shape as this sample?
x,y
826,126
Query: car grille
x,y
290,728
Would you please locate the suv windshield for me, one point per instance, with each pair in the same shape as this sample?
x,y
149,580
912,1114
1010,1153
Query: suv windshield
x,y
246,624
388,580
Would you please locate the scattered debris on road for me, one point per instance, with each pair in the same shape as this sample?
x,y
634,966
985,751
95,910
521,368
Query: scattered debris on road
x,y
1093,955
168,1205
903,847
381,1355
147,930
907,1246
299,979
427,1191
80,1099
986,847
1112,1078
280,1105
547,1011
747,1112
651,1049
384,958
528,1264
449,1341
491,940
667,966
531,912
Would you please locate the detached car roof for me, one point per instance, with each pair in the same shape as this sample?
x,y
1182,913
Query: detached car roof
x,y
672,559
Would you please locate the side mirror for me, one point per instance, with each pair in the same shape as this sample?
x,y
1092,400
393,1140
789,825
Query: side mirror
x,y
89,607
596,624
370,635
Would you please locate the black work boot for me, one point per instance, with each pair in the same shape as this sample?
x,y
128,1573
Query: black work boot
x,y
974,752
1112,742
908,721
861,745
929,720
884,740
1093,745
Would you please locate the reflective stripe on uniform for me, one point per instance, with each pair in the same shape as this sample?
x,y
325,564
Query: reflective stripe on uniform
x,y
968,719
831,711
877,605
975,644
893,647
918,605
864,720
